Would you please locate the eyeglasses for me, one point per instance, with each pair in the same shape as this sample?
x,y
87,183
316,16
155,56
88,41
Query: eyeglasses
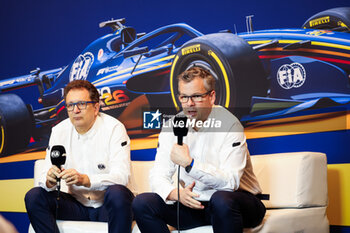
x,y
81,105
194,98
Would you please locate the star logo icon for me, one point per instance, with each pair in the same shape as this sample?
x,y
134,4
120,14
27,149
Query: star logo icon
x,y
156,115
152,120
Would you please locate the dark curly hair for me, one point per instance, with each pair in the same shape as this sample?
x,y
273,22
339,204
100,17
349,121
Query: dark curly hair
x,y
82,84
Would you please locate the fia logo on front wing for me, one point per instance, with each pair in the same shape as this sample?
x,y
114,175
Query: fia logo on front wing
x,y
291,76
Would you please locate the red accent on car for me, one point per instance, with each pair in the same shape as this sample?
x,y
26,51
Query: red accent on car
x,y
164,72
59,110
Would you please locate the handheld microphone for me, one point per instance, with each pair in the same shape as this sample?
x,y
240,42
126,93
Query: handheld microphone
x,y
58,158
180,128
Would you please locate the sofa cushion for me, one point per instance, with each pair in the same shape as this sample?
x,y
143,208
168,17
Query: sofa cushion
x,y
292,179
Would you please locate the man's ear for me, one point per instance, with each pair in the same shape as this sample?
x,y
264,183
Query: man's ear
x,y
97,108
212,97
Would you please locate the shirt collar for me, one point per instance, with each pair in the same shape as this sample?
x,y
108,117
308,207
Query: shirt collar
x,y
211,115
91,132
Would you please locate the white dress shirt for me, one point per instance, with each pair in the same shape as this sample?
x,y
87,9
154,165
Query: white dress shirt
x,y
221,159
102,153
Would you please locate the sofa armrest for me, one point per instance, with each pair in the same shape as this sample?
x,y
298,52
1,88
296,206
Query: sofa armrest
x,y
293,180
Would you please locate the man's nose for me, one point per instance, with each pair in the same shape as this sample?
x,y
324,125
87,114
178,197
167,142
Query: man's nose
x,y
76,109
190,102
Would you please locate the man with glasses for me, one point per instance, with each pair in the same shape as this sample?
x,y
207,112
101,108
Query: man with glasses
x,y
218,186
96,171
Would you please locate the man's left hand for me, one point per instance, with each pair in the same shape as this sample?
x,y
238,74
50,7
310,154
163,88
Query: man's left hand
x,y
71,176
180,155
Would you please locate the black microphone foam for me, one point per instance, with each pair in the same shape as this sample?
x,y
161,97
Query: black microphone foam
x,y
58,155
180,128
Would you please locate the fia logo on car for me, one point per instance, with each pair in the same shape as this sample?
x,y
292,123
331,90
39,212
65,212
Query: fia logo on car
x,y
289,76
81,67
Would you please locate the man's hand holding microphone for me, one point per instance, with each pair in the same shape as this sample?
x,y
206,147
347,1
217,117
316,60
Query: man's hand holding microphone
x,y
52,176
70,176
180,155
57,172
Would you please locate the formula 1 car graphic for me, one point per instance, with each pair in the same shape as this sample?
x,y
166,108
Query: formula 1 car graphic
x,y
260,74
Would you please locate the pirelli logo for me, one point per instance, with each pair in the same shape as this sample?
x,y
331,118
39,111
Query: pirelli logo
x,y
191,49
319,21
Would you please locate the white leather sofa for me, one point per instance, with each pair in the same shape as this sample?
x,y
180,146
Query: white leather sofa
x,y
296,182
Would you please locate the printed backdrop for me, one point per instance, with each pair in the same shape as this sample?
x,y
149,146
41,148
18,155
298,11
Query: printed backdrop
x,y
51,34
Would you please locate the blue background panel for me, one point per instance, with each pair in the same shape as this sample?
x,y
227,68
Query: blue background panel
x,y
143,155
20,220
334,144
17,170
339,229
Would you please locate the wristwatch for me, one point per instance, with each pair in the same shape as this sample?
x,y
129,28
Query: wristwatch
x,y
189,167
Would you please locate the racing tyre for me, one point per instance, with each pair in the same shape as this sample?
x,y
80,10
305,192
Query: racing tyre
x,y
236,67
15,124
332,19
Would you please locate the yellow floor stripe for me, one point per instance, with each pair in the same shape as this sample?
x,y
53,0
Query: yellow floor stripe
x,y
338,46
258,41
12,194
338,210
